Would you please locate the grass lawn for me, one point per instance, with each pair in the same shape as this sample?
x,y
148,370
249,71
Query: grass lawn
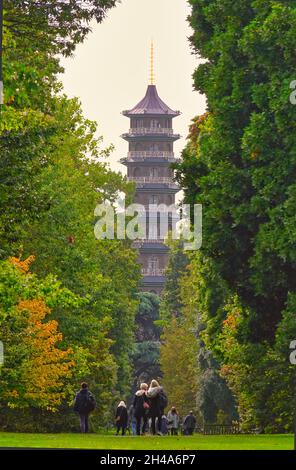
x,y
108,442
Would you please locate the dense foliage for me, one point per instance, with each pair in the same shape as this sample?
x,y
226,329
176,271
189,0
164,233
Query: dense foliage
x,y
54,172
240,164
147,339
34,369
58,23
191,374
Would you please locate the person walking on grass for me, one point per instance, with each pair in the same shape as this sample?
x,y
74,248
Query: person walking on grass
x,y
84,404
121,418
132,424
189,424
173,421
164,426
141,407
158,402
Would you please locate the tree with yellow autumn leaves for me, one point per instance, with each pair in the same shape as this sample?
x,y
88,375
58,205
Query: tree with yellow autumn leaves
x,y
42,367
35,366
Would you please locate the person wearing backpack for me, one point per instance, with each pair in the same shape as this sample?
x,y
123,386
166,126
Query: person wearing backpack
x,y
121,418
189,424
158,402
84,404
141,409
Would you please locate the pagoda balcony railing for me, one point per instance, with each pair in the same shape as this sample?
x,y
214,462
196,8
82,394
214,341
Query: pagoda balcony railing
x,y
171,210
153,272
152,179
161,207
140,241
141,155
151,130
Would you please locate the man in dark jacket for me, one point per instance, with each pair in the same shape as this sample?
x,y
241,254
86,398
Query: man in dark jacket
x,y
84,404
141,408
189,424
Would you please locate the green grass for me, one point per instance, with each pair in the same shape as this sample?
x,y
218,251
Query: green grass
x,y
108,442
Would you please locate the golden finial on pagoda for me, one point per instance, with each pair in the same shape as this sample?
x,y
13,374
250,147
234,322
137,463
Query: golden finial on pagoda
x,y
152,77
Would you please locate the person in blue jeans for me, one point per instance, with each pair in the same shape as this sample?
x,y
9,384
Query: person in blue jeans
x,y
132,422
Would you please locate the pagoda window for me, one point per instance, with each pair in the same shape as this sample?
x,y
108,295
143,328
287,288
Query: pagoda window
x,y
153,199
155,123
153,263
154,147
138,123
139,147
137,172
153,172
169,199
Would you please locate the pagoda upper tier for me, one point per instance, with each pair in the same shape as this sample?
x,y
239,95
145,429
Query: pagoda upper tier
x,y
151,105
151,135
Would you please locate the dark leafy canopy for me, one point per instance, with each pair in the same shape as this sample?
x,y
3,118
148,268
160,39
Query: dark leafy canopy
x,y
147,337
244,173
63,23
240,164
172,301
190,371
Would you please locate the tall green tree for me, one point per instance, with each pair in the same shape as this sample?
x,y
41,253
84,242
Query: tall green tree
x,y
171,300
54,172
242,158
147,339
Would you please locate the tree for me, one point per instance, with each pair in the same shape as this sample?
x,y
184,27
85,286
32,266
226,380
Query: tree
x,y
239,163
59,23
147,339
178,364
64,243
56,176
178,350
35,367
44,366
171,303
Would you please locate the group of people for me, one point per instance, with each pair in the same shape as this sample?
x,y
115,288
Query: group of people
x,y
145,414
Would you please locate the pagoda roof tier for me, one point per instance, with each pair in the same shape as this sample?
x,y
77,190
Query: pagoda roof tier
x,y
150,245
151,105
153,249
147,161
157,188
153,281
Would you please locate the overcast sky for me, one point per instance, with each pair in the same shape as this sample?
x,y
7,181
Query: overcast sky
x,y
110,70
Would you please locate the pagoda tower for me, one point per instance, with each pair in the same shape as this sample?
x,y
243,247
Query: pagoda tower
x,y
151,152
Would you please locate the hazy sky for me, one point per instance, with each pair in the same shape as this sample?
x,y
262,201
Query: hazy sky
x,y
110,71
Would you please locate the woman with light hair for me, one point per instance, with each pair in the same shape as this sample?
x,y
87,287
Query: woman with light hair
x,y
121,418
158,402
141,408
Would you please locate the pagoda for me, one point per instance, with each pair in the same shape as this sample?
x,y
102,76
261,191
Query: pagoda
x,y
151,152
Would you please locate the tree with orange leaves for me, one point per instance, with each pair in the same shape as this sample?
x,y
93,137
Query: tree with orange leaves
x,y
35,367
47,365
